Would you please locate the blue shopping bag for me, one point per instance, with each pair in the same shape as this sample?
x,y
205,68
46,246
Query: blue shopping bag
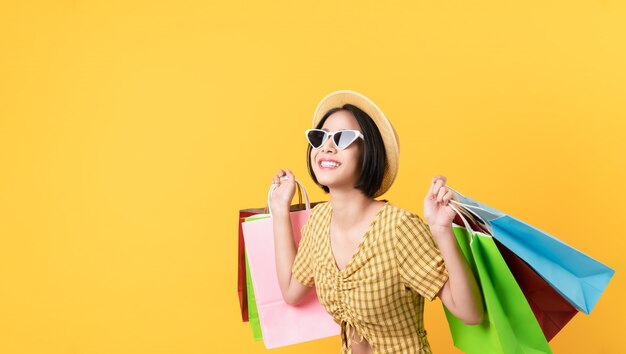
x,y
579,278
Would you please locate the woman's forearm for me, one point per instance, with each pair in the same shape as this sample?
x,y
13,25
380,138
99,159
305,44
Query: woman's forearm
x,y
285,250
465,298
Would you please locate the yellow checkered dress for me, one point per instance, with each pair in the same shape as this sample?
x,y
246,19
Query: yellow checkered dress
x,y
381,291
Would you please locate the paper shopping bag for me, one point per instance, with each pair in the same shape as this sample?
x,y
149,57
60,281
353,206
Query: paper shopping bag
x,y
551,310
282,324
255,324
579,278
253,314
241,263
509,325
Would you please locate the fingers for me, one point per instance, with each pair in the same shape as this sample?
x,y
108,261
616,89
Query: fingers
x,y
283,175
431,192
439,192
444,178
276,179
438,182
447,197
288,177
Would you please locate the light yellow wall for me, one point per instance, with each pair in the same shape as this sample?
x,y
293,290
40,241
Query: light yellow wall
x,y
131,133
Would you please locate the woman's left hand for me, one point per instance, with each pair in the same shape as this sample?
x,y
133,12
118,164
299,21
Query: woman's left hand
x,y
437,212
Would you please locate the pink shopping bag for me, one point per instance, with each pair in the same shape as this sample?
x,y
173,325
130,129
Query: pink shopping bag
x,y
282,324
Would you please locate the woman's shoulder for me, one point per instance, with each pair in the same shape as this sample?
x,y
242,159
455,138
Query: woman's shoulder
x,y
318,212
316,220
320,207
400,214
404,222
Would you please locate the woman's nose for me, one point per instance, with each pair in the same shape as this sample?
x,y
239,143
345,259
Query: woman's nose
x,y
329,146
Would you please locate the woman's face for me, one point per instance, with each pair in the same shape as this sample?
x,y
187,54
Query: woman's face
x,y
345,171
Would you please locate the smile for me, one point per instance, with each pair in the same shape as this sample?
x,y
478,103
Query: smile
x,y
327,164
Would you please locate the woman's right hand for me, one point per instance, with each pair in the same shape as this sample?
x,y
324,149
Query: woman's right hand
x,y
280,199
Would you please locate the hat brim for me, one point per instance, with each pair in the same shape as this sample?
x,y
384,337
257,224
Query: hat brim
x,y
388,133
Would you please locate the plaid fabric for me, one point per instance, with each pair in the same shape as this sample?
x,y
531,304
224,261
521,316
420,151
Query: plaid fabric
x,y
380,294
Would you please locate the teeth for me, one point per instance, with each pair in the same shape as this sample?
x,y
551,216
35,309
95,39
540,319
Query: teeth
x,y
329,164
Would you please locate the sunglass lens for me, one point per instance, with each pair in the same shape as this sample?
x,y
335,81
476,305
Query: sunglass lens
x,y
344,138
316,138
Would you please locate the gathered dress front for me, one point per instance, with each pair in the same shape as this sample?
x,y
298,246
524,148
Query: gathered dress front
x,y
380,293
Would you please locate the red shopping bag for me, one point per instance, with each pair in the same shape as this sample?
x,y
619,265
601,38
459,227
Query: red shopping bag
x,y
552,311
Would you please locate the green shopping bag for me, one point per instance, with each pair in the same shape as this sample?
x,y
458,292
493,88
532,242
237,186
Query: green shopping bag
x,y
509,325
253,314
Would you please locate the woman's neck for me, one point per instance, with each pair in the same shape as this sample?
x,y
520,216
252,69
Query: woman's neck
x,y
349,206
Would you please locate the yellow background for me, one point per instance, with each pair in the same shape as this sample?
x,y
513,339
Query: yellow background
x,y
132,132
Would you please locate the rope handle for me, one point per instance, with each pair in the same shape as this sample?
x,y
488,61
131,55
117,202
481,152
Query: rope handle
x,y
464,205
467,226
469,206
301,190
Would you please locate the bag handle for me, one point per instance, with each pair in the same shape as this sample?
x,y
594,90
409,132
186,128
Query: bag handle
x,y
267,211
467,225
300,189
468,205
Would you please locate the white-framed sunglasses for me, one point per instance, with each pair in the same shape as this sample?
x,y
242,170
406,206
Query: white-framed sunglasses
x,y
342,138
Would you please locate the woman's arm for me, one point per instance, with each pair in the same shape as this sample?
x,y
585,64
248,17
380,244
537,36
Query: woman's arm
x,y
460,294
284,246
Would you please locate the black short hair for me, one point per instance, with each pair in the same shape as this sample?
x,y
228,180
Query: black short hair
x,y
374,160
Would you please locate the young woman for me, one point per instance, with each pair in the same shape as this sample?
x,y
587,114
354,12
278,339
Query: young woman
x,y
371,262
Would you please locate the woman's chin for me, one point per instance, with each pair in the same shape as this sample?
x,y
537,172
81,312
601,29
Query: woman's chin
x,y
334,184
326,183
331,179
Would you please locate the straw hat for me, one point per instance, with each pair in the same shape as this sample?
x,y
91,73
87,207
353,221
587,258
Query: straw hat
x,y
390,138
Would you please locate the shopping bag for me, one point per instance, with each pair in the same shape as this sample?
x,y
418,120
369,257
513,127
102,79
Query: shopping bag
x,y
241,263
282,324
255,324
509,325
579,278
551,310
253,314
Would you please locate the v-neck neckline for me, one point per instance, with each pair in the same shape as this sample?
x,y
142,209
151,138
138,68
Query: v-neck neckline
x,y
358,248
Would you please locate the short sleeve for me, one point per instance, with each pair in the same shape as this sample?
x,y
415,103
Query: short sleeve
x,y
303,263
419,260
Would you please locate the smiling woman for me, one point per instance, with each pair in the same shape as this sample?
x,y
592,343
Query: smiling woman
x,y
373,161
372,263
